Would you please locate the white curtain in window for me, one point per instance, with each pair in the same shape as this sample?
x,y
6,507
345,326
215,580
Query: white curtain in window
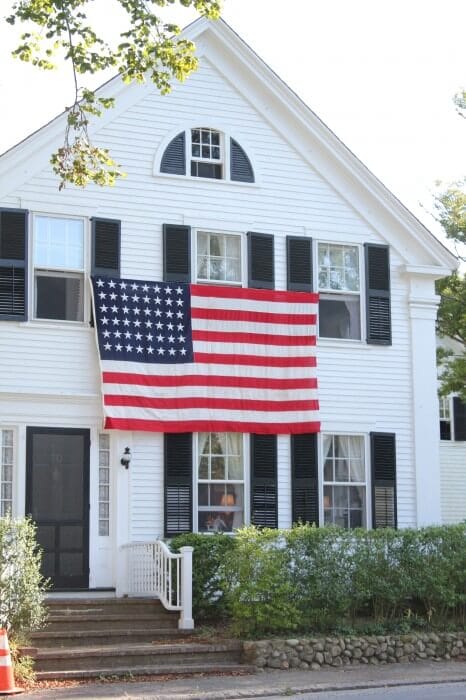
x,y
356,453
234,443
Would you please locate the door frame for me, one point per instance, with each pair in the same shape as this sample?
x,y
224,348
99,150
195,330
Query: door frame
x,y
86,434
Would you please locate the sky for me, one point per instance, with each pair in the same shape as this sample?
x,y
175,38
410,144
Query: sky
x,y
380,73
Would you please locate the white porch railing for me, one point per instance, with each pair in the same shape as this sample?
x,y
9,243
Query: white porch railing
x,y
153,570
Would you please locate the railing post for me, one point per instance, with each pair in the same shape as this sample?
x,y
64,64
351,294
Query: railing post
x,y
186,621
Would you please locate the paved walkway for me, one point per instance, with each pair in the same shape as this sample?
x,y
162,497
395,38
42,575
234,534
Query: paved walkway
x,y
285,683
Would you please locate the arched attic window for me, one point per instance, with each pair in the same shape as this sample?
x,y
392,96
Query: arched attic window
x,y
209,151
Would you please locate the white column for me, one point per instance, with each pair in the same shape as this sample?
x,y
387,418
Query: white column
x,y
122,519
422,312
186,621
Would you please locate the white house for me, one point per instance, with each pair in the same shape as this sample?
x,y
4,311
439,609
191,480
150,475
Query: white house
x,y
232,179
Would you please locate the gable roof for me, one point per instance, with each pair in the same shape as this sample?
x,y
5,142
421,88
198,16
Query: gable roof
x,y
288,114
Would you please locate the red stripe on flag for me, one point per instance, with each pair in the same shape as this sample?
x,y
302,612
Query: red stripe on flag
x,y
253,338
265,295
194,426
253,360
254,316
207,380
209,402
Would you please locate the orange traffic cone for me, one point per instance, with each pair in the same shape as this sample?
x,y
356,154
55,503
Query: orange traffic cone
x,y
7,679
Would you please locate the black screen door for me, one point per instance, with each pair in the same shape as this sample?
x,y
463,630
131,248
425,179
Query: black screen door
x,y
57,498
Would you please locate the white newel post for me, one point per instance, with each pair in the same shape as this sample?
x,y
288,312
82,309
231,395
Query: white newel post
x,y
423,305
186,621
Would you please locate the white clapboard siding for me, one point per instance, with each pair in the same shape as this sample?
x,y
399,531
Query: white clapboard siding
x,y
453,481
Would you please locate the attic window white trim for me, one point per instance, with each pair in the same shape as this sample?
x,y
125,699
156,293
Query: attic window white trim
x,y
177,163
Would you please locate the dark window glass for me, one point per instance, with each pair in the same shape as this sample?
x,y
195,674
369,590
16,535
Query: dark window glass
x,y
212,170
445,430
340,318
59,298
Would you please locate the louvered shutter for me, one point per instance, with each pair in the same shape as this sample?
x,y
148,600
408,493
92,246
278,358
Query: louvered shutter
x,y
13,264
174,157
383,459
176,253
261,268
178,494
264,480
240,165
106,242
378,312
304,478
459,419
299,263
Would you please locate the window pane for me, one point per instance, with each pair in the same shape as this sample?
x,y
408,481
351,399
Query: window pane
x,y
217,245
202,267
59,297
340,496
203,494
204,468
215,138
339,317
217,269
58,243
341,446
196,136
202,243
196,151
204,443
218,468
341,470
104,441
328,470
356,496
217,443
235,468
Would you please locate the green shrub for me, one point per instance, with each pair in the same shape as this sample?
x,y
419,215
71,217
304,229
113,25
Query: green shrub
x,y
210,553
22,586
258,583
324,578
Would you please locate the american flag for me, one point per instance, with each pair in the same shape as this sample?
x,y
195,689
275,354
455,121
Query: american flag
x,y
188,357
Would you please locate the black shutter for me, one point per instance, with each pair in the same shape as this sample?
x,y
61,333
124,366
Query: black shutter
x,y
13,264
240,165
383,458
106,242
299,263
176,253
459,419
261,269
378,312
174,157
178,498
304,479
264,507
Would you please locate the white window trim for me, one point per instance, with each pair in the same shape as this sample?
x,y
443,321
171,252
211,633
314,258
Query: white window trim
x,y
367,467
85,272
449,400
14,474
243,255
245,482
361,293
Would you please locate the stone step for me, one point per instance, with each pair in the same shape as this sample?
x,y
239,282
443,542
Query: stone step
x,y
160,619
131,655
105,636
146,670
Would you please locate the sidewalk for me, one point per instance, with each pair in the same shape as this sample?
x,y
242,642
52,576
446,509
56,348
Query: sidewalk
x,y
266,683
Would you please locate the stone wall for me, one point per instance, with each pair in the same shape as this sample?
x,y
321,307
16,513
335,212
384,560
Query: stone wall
x,y
314,653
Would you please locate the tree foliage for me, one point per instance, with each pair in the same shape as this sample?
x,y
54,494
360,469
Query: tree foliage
x,y
450,206
149,48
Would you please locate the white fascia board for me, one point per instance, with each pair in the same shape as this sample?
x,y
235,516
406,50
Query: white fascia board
x,y
299,125
434,273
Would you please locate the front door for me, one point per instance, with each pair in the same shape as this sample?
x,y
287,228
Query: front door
x,y
57,498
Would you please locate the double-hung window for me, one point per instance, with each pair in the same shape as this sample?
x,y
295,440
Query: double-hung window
x,y
218,257
220,482
340,291
344,480
445,417
206,153
59,263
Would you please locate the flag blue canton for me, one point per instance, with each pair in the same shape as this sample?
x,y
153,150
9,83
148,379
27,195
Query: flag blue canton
x,y
143,322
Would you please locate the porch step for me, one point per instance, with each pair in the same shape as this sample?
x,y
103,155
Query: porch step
x,y
169,669
118,637
71,637
131,656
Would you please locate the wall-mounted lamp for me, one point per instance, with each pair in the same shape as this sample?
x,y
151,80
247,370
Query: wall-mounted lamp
x,y
126,458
